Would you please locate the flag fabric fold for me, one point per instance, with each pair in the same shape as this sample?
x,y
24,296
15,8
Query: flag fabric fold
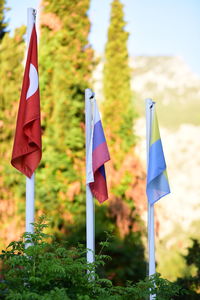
x,y
157,180
98,155
27,148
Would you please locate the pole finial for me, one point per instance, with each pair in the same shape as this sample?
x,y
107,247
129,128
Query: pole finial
x,y
90,94
34,14
150,102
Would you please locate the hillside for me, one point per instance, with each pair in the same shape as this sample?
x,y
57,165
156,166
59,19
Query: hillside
x,y
170,82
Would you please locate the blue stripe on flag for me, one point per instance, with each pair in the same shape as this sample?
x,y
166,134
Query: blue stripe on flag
x,y
156,160
102,171
157,188
157,182
98,135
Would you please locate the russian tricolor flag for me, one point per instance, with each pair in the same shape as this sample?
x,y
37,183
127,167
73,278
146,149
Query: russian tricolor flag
x,y
98,154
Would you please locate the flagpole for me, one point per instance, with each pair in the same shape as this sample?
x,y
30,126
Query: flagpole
x,y
30,182
30,203
90,214
151,235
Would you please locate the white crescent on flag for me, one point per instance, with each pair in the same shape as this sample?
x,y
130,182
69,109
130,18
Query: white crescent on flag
x,y
33,79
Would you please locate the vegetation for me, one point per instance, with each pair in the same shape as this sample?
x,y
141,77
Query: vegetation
x,y
3,23
191,283
118,106
65,69
118,117
11,72
47,270
50,269
66,62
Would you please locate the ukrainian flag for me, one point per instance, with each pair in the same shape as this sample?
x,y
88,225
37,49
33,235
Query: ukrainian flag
x,y
157,180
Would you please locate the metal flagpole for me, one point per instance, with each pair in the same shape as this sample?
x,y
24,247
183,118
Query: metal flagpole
x,y
30,182
151,238
90,214
30,208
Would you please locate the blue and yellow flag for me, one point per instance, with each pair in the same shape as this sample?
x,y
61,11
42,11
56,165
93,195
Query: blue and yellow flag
x,y
157,181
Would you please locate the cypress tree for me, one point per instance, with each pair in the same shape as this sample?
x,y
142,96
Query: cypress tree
x,y
11,182
126,176
65,67
118,107
3,23
66,62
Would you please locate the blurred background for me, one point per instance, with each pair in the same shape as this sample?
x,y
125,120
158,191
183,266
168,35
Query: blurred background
x,y
125,51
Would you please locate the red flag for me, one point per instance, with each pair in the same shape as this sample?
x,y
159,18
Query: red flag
x,y
27,148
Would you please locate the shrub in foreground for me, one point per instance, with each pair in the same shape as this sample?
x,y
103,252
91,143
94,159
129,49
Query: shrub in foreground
x,y
46,270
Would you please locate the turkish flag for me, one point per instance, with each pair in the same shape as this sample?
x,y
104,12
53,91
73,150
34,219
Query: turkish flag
x,y
27,148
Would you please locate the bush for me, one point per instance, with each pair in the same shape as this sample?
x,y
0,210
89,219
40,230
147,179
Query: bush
x,y
46,270
191,283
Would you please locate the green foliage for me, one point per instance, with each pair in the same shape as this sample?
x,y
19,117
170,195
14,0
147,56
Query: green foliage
x,y
127,253
128,262
47,270
11,72
65,70
66,62
118,116
174,265
11,79
193,256
3,23
118,106
189,282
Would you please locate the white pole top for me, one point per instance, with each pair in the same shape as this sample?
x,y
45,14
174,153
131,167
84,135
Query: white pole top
x,y
31,17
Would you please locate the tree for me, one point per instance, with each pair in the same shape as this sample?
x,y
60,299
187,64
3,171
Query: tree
x,y
65,67
3,23
126,175
118,106
50,270
191,282
66,61
11,72
65,70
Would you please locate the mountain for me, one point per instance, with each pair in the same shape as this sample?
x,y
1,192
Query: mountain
x,y
170,82
166,79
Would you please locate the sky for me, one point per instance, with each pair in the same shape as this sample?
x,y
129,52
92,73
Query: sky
x,y
156,27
